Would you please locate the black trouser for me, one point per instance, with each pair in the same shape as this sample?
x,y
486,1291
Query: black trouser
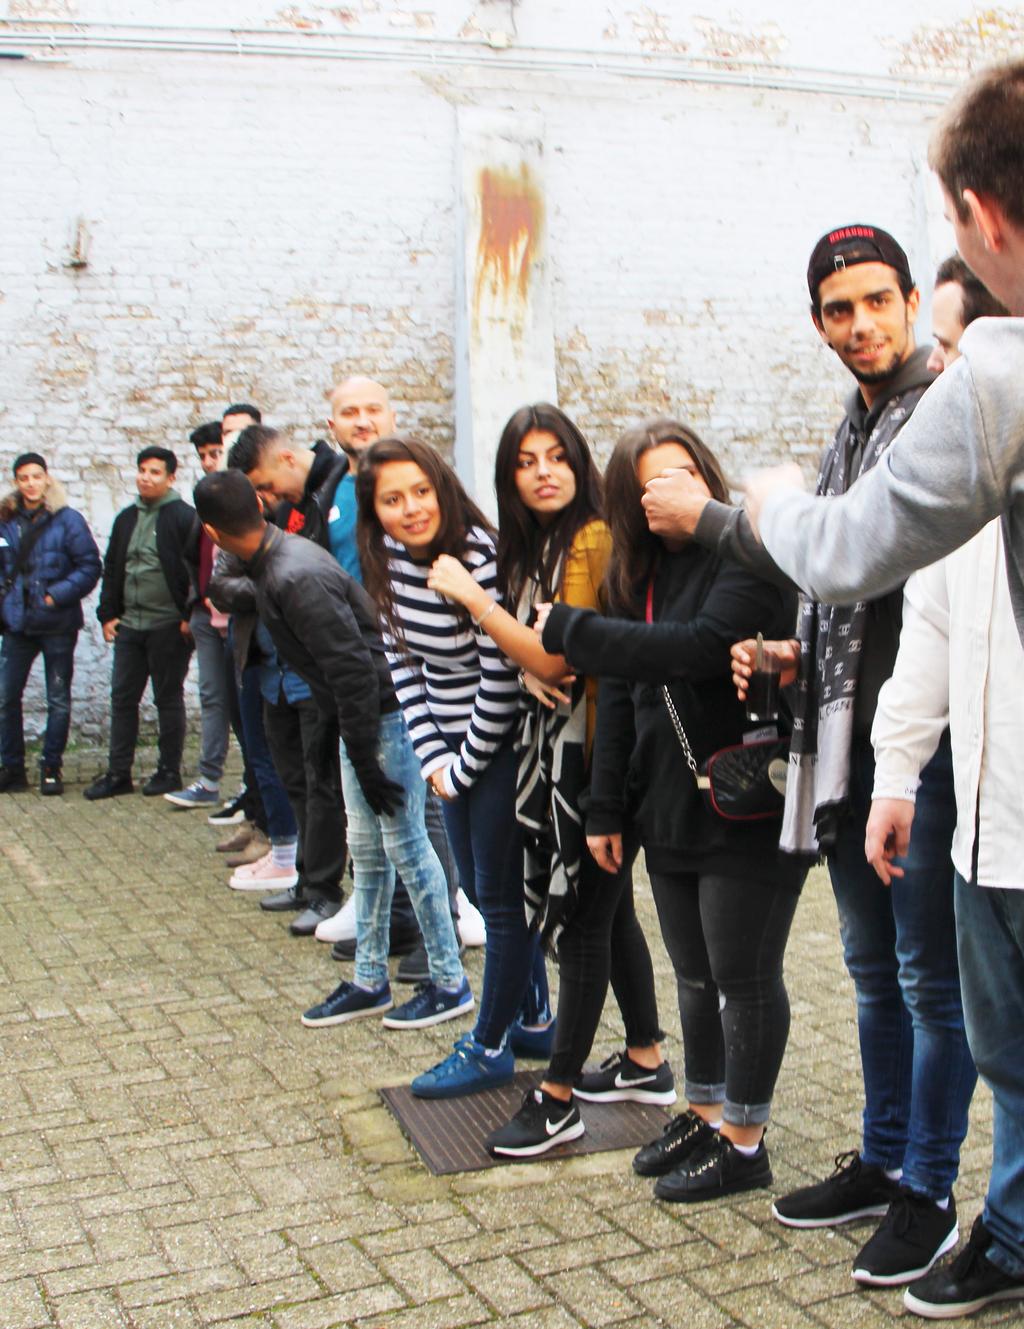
x,y
602,941
161,655
726,937
304,746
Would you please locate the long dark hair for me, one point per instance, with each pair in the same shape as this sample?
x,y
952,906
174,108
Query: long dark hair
x,y
458,514
526,549
635,549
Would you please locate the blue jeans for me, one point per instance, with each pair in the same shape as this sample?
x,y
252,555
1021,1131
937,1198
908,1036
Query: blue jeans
x,y
990,937
488,847
900,949
282,828
58,652
382,845
214,707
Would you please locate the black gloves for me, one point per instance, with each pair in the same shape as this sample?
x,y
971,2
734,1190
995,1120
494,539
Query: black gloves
x,y
384,796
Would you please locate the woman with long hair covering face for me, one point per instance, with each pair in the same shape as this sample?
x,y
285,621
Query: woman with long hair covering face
x,y
724,894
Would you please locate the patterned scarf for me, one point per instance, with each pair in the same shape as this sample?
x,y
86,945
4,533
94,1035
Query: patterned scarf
x,y
552,778
831,637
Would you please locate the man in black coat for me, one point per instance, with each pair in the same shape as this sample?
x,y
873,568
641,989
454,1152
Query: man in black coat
x,y
144,608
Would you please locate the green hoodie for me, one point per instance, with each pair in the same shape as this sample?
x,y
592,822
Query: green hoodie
x,y
148,602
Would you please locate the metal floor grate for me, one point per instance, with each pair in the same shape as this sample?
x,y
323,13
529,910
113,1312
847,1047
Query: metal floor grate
x,y
449,1133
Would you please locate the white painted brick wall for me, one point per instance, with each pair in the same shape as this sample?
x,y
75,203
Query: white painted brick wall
x,y
260,226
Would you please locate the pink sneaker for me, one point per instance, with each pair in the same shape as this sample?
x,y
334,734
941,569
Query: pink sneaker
x,y
263,875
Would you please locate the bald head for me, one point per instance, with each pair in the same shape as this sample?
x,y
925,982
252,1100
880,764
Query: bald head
x,y
360,413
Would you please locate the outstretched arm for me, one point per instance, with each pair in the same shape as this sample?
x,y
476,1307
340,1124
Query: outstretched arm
x,y
941,480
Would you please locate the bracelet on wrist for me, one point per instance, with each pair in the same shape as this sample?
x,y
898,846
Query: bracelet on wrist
x,y
489,610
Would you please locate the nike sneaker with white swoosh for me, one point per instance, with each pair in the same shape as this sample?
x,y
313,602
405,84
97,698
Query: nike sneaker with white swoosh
x,y
542,1122
620,1080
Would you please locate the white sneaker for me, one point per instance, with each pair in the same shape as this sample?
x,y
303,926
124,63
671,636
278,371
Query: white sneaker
x,y
263,875
472,929
340,926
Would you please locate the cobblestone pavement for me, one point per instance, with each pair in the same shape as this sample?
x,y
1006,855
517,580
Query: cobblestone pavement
x,y
177,1150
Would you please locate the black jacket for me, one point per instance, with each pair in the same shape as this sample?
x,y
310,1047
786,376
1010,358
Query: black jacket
x,y
177,534
702,605
727,530
325,626
309,517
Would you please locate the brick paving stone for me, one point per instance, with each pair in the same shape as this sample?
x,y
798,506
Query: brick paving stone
x,y
23,1305
505,1286
366,1306
89,1310
421,1275
594,1299
178,1151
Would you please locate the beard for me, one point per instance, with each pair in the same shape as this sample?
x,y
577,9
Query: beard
x,y
871,376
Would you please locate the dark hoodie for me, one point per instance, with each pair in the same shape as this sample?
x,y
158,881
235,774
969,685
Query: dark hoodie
x,y
727,530
310,516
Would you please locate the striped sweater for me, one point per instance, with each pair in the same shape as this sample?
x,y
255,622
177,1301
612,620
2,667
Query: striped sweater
x,y
458,693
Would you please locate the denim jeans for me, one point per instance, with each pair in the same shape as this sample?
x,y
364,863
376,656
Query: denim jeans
x,y
990,938
282,828
602,941
214,706
403,916
58,652
304,745
726,937
488,848
382,846
160,655
899,945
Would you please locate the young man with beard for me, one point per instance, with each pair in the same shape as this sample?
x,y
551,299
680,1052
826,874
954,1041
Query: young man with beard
x,y
899,944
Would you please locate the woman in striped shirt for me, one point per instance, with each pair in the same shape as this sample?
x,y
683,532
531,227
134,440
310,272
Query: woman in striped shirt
x,y
554,544
459,696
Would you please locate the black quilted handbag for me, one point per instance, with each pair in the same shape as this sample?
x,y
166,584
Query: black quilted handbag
x,y
745,782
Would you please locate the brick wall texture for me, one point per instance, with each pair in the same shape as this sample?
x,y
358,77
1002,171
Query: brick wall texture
x,y
260,224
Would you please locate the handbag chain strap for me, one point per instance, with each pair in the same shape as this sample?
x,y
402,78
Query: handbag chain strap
x,y
702,780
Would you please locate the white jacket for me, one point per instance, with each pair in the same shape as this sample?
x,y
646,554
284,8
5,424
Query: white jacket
x,y
961,662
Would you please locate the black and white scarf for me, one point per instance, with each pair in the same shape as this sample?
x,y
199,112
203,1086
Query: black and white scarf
x,y
831,637
552,747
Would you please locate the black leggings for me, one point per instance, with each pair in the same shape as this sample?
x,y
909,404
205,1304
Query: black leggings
x,y
602,941
726,938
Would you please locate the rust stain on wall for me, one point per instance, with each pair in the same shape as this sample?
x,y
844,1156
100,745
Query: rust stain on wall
x,y
511,226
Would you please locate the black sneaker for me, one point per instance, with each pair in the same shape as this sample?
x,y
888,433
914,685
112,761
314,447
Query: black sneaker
x,y
415,967
969,1282
162,782
542,1122
855,1190
620,1080
50,783
678,1140
12,779
717,1168
914,1233
108,786
231,813
279,902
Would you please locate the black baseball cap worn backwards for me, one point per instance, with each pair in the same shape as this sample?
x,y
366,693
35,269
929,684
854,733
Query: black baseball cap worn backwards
x,y
848,245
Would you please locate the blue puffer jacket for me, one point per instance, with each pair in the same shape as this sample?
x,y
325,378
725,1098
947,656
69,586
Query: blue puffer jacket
x,y
64,563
